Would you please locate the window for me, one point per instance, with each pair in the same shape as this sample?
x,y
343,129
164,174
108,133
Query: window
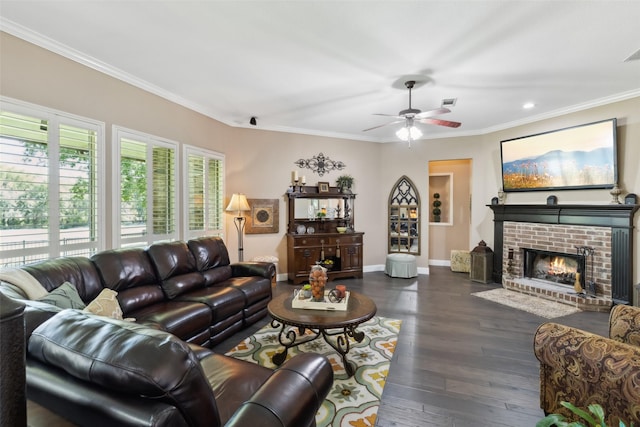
x,y
203,189
51,195
145,176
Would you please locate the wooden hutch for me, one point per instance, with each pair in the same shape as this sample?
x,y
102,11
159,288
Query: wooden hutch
x,y
314,218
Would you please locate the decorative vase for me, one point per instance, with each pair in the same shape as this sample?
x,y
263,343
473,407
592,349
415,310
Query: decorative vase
x,y
317,280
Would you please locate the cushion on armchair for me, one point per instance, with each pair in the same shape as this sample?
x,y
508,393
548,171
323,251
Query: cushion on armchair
x,y
128,358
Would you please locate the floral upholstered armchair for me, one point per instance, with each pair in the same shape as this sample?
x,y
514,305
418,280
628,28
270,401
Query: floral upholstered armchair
x,y
584,368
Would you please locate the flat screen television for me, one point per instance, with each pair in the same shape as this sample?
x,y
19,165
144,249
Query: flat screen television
x,y
578,157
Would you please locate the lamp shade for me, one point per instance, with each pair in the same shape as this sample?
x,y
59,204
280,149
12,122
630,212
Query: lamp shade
x,y
238,203
409,133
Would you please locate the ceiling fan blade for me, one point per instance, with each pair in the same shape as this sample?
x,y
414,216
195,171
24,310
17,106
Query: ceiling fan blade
x,y
389,115
440,122
386,124
432,113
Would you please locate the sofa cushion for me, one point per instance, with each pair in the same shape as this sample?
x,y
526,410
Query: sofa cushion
x,y
105,304
64,296
127,358
121,269
224,302
176,268
183,319
209,252
79,271
254,288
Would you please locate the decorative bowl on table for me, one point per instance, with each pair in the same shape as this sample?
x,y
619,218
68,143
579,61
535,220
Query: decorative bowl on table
x,y
327,263
341,229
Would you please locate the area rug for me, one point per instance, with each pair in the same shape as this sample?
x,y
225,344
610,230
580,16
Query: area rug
x,y
529,303
352,401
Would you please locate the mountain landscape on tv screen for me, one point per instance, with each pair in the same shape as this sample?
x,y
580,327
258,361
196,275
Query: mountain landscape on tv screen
x,y
559,168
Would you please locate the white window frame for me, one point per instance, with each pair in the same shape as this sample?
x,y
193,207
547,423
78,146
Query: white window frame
x,y
207,154
54,119
118,133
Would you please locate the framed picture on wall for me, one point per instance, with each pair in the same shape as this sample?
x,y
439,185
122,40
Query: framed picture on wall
x,y
323,187
264,216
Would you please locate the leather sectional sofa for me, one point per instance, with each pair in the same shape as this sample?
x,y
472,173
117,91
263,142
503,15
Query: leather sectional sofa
x,y
584,368
151,363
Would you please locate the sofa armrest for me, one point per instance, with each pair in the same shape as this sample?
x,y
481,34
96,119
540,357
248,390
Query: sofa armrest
x,y
291,396
252,268
584,368
624,324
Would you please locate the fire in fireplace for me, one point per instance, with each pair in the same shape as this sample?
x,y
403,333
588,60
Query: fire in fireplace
x,y
561,268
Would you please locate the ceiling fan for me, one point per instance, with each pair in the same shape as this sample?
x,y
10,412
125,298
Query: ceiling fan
x,y
411,115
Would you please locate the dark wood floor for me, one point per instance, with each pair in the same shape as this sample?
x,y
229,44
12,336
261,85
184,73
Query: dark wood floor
x,y
460,360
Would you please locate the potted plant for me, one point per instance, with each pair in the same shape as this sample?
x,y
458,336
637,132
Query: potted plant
x,y
436,207
594,418
345,182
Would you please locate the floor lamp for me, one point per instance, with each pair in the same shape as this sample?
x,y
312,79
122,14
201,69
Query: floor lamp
x,y
239,204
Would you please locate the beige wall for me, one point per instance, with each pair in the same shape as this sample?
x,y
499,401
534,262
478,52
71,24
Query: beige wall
x,y
455,234
259,162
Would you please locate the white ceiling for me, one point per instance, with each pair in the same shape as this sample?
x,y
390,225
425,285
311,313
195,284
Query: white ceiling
x,y
325,67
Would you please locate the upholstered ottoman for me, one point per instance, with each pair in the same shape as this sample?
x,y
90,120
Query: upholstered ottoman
x,y
460,261
401,265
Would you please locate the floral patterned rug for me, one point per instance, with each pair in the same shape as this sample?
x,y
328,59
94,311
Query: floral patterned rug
x,y
352,402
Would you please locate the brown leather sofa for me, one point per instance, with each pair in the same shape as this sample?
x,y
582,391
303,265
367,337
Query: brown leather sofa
x,y
189,289
159,370
584,368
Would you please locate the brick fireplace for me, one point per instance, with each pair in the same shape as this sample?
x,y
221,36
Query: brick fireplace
x,y
562,229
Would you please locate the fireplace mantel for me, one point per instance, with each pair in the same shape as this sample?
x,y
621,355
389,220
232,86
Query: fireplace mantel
x,y
618,217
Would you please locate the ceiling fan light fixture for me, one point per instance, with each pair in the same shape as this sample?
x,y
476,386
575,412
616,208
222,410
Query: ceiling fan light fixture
x,y
409,133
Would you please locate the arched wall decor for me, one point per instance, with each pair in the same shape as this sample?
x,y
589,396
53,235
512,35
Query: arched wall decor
x,y
404,218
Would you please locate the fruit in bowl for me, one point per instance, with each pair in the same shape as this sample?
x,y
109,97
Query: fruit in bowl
x,y
341,229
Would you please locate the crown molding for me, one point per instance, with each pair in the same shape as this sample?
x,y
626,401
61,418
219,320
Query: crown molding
x,y
49,44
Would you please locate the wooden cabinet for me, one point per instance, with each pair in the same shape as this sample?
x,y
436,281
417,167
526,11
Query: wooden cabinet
x,y
314,220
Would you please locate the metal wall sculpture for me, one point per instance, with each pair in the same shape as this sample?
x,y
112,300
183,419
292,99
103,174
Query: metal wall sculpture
x,y
320,164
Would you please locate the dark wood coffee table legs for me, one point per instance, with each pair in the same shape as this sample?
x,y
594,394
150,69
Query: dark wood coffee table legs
x,y
337,338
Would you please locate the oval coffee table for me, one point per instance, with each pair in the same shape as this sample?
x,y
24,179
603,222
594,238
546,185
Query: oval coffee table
x,y
334,326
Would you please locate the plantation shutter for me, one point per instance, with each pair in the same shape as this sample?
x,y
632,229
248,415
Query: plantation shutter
x,y
205,192
147,207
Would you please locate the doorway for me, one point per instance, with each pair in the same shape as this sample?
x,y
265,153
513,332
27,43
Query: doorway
x,y
449,220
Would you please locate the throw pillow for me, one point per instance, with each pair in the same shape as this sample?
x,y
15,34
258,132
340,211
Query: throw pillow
x,y
106,304
64,296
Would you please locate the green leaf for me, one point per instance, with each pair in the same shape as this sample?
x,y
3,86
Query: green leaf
x,y
552,420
